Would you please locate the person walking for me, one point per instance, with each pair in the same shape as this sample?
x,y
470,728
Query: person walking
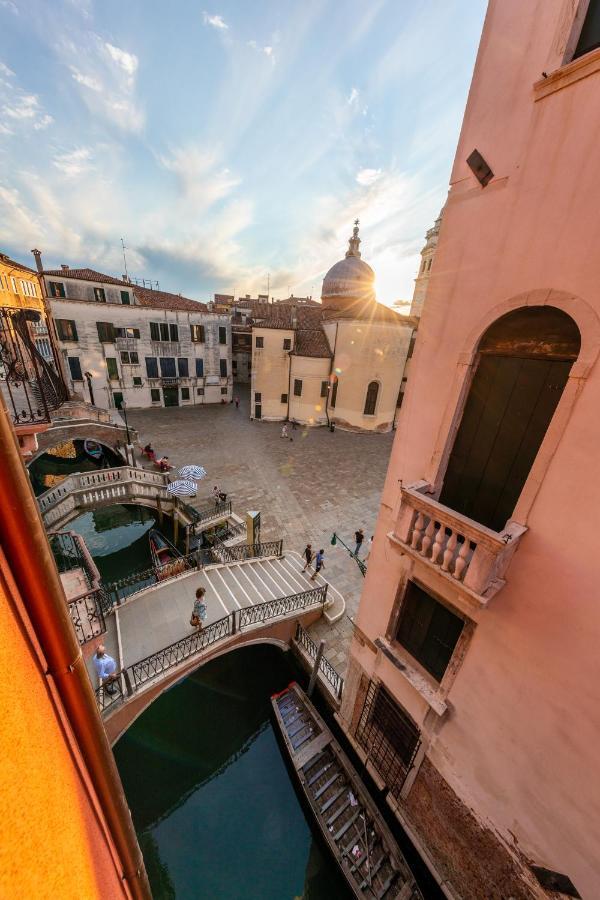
x,y
359,537
106,668
319,564
308,556
199,611
284,431
237,402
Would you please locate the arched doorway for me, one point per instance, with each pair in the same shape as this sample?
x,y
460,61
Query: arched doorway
x,y
524,361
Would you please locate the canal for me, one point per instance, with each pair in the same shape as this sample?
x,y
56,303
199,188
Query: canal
x,y
212,801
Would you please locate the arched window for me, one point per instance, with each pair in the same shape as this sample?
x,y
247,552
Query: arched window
x,y
371,400
523,365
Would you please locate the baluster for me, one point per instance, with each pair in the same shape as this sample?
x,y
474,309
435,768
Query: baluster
x,y
417,531
461,560
438,544
427,538
449,552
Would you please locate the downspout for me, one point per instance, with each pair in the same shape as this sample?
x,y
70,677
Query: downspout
x,y
331,368
25,544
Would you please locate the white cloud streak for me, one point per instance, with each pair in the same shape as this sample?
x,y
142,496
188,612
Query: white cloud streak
x,y
215,21
75,163
367,177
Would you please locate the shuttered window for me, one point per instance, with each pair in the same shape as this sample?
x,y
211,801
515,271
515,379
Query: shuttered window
x,y
66,329
167,367
200,368
111,366
223,368
75,367
371,398
428,630
197,334
151,367
182,367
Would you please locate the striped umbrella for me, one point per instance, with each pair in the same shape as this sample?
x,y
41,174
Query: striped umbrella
x,y
182,488
195,472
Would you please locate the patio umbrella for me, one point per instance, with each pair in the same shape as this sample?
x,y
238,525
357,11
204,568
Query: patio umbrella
x,y
195,472
182,488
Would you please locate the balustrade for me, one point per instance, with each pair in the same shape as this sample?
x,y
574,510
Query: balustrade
x,y
331,675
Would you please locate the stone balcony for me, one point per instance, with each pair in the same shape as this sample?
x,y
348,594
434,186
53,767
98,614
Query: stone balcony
x,y
470,556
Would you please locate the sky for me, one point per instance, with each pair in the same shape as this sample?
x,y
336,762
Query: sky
x,y
230,142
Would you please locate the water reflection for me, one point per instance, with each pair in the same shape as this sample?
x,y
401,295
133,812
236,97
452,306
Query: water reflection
x,y
65,459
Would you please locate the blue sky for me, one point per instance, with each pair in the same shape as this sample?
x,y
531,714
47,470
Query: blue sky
x,y
228,140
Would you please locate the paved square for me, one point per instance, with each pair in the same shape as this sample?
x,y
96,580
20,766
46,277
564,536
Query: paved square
x,y
305,488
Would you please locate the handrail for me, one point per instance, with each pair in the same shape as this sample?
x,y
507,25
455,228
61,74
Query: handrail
x,y
87,613
331,674
81,481
361,565
208,512
67,544
247,551
139,581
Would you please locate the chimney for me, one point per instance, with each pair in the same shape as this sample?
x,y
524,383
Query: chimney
x,y
37,255
64,268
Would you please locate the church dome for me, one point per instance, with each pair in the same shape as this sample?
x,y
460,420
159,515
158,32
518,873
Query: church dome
x,y
350,279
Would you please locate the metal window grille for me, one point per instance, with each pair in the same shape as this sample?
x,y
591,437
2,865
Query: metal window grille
x,y
388,735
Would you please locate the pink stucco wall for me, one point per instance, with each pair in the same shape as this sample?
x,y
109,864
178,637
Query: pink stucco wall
x,y
519,743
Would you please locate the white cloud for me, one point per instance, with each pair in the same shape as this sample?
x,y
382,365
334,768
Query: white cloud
x,y
86,80
4,70
42,123
267,50
127,61
203,179
74,163
19,109
25,107
352,96
367,177
215,21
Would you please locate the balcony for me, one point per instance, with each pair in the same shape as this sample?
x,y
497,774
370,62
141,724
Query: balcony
x,y
470,556
126,344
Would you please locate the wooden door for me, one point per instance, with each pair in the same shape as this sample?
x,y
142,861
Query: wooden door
x,y
171,396
508,410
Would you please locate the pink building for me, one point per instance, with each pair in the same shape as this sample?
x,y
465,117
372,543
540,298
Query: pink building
x,y
474,682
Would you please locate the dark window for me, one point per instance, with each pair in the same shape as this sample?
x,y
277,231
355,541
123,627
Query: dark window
x,y
284,398
151,367
106,332
137,381
118,399
297,387
324,386
75,367
260,342
57,289
155,395
371,399
125,358
174,332
428,630
167,367
257,397
154,331
258,412
389,736
333,397
198,334
223,368
223,390
164,331
182,367
127,332
199,368
66,329
480,168
222,334
234,366
125,298
130,359
111,365
185,393
200,392
287,343
589,39
99,295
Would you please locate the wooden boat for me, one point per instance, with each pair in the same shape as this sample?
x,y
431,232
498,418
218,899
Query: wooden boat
x,y
166,558
92,449
354,829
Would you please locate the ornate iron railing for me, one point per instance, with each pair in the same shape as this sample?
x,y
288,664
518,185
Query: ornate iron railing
x,y
139,581
198,516
331,675
247,551
110,695
281,606
71,552
88,614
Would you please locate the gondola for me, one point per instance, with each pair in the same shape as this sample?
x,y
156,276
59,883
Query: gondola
x,y
93,450
352,826
166,558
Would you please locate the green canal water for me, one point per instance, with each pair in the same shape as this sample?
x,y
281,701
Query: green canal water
x,y
212,801
65,459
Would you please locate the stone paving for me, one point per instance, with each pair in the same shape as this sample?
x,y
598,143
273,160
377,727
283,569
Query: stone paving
x,y
305,488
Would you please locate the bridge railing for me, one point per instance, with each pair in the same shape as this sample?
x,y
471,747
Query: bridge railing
x,y
199,516
239,552
88,612
71,552
333,678
138,581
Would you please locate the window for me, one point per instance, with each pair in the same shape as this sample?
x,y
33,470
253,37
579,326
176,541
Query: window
x,y
66,329
13,283
223,390
222,334
199,368
428,630
185,393
125,298
284,398
174,332
324,387
154,395
167,367
198,334
106,332
297,387
333,398
287,343
371,399
234,366
200,392
57,289
127,332
75,367
113,371
99,295
257,397
589,39
223,368
258,411
151,367
260,342
137,381
182,367
118,399
131,359
154,331
163,331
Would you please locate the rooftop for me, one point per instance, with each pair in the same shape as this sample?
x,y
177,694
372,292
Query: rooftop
x,y
7,261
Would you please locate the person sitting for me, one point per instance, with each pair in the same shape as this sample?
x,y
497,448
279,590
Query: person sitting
x,y
149,452
163,464
219,496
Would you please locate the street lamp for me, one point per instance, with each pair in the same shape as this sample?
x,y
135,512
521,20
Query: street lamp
x,y
88,378
124,408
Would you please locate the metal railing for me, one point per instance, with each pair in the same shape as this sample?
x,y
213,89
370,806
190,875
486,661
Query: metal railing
x,y
198,516
71,552
336,539
88,614
281,606
247,551
331,675
108,696
138,581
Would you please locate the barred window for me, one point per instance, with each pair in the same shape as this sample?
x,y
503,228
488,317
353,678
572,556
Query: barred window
x,y
389,736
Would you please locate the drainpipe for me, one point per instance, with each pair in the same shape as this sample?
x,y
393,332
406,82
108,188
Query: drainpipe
x,y
25,544
60,362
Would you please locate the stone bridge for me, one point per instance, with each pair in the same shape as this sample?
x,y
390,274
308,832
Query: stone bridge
x,y
78,420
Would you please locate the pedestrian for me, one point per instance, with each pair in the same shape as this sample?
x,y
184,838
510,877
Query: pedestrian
x,y
106,668
359,536
199,611
294,425
163,464
319,564
308,556
237,402
284,431
149,452
369,548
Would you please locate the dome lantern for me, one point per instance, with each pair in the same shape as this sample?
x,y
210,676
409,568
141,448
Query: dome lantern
x,y
349,280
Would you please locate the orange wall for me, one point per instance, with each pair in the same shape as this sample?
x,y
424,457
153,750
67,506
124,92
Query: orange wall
x,y
52,842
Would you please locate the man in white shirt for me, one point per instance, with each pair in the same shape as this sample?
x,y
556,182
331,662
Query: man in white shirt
x,y
105,667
